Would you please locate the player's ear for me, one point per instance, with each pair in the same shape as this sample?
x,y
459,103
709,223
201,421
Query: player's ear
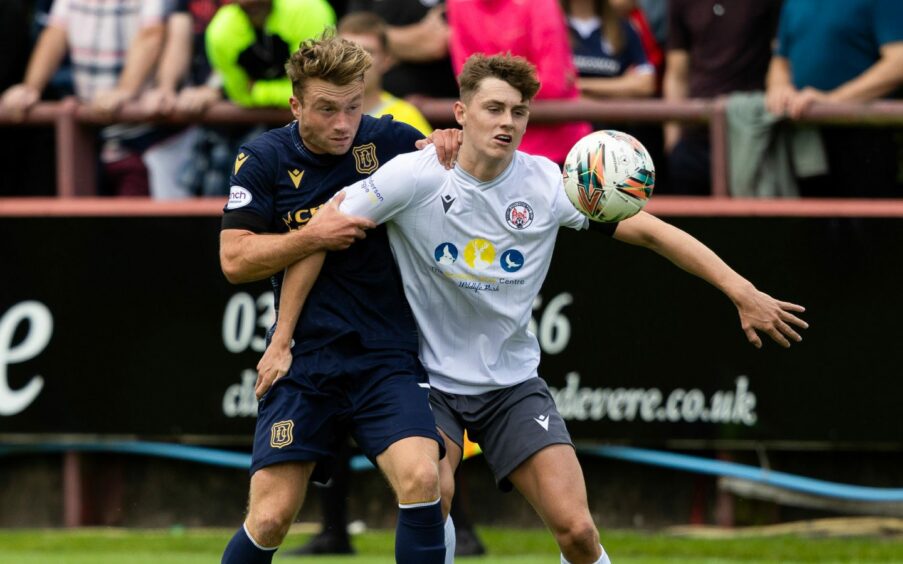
x,y
460,111
295,104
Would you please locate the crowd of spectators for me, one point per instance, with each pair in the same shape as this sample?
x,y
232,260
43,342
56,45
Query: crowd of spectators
x,y
185,55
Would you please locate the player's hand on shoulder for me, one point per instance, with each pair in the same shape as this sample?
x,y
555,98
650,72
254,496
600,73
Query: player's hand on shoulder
x,y
274,364
777,319
447,142
335,230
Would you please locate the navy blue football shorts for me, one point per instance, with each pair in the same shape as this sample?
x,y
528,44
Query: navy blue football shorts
x,y
378,396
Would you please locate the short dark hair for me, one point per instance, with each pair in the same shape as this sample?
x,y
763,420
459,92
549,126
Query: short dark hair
x,y
516,71
365,23
328,58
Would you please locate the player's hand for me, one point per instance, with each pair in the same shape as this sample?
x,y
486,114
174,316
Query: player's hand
x,y
335,230
18,98
447,142
274,365
159,101
108,102
760,312
195,100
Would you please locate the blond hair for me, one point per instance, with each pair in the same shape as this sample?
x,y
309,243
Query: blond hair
x,y
330,58
516,71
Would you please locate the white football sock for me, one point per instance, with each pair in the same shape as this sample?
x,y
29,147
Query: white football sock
x,y
450,539
602,559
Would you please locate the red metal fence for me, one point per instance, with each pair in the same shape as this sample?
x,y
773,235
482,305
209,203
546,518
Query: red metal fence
x,y
75,148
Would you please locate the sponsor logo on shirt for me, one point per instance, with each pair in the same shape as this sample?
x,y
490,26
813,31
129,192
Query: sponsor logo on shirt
x,y
519,215
238,197
479,254
446,254
511,260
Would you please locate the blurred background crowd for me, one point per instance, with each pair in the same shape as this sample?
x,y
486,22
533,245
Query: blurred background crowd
x,y
771,59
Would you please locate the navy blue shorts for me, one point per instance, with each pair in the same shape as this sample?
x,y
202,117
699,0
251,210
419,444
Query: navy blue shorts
x,y
378,396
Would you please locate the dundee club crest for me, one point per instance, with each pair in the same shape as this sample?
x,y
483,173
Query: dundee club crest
x,y
365,158
281,434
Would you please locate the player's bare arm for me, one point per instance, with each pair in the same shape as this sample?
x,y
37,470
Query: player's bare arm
x,y
246,256
758,311
277,359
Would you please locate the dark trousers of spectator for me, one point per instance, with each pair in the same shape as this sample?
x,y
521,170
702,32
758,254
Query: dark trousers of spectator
x,y
862,163
690,166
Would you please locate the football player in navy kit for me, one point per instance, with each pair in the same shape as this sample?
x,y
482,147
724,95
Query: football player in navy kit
x,y
353,366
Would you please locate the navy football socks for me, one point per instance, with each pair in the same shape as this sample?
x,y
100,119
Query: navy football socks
x,y
243,550
420,534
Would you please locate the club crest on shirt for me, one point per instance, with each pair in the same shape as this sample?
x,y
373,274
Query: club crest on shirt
x,y
281,434
365,158
519,215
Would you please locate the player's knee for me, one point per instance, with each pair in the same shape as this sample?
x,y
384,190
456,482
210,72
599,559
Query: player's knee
x,y
578,536
268,528
419,483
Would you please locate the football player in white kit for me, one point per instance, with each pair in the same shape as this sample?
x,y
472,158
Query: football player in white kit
x,y
473,245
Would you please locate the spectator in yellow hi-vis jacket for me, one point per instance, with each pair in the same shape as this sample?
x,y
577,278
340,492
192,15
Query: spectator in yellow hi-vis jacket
x,y
249,41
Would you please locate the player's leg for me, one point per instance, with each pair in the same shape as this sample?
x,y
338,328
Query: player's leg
x,y
394,426
526,444
447,468
552,481
277,493
293,443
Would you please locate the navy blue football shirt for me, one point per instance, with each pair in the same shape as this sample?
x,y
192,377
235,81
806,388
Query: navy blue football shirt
x,y
277,185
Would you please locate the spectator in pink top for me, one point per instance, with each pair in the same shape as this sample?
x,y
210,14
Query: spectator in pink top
x,y
535,30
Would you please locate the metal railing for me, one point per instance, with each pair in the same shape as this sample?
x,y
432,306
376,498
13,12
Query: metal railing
x,y
76,150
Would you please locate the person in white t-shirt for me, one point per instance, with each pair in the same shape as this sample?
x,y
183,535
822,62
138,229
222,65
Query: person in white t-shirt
x,y
473,245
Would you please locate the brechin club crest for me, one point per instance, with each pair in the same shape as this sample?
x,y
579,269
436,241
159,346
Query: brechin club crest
x,y
519,215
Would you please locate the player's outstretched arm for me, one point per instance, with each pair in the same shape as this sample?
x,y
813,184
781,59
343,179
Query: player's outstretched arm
x,y
758,311
277,359
246,256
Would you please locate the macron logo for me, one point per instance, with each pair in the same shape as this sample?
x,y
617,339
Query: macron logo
x,y
543,421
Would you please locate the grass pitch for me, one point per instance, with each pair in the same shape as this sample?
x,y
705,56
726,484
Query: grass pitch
x,y
505,546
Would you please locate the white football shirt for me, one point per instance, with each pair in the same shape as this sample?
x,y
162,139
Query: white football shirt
x,y
473,256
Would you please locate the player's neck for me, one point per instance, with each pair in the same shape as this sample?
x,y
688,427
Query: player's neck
x,y
479,166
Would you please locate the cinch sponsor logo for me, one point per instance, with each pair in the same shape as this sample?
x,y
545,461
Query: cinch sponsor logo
x,y
238,197
296,219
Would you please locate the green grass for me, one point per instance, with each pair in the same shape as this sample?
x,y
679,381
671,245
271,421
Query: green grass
x,y
506,546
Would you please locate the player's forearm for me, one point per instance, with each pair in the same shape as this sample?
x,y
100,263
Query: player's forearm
x,y
141,58
779,75
46,58
299,279
247,256
684,250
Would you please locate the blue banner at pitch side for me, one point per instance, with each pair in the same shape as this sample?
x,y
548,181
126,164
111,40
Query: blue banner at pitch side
x,y
125,326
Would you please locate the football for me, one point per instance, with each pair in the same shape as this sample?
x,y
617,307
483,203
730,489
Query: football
x,y
609,176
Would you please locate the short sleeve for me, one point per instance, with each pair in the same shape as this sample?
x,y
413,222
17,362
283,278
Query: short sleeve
x,y
387,192
251,189
59,14
154,12
888,21
678,35
783,39
564,210
634,55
